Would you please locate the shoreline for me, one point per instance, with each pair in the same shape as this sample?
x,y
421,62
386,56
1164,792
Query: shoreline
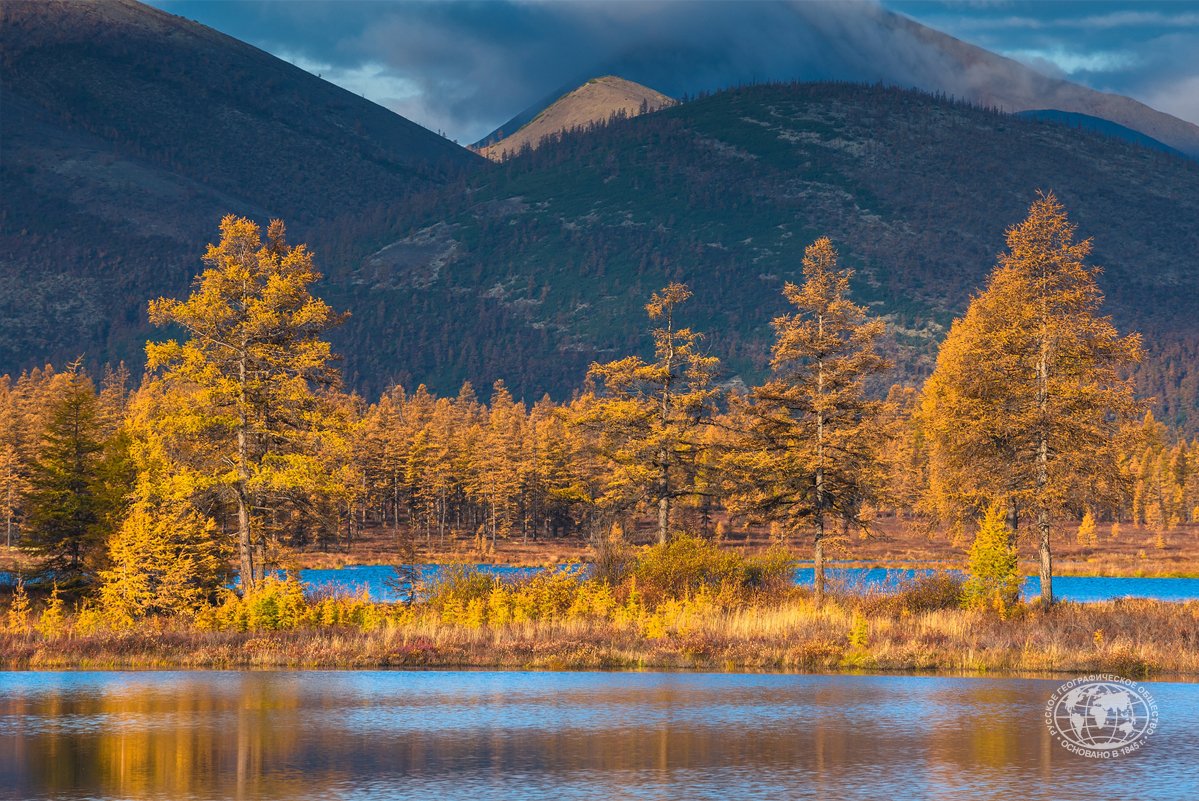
x,y
1045,675
1134,638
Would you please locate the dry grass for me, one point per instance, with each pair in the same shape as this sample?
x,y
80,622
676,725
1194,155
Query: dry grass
x,y
1129,637
893,544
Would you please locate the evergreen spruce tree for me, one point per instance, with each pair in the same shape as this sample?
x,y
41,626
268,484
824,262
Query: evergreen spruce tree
x,y
993,580
65,507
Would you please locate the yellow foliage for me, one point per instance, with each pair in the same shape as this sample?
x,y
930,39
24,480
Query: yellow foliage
x,y
1086,530
53,622
18,610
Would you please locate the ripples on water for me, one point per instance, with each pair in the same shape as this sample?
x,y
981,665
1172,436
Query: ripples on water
x,y
484,735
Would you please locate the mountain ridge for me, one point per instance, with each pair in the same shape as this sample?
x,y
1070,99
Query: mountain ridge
x,y
544,265
596,101
129,132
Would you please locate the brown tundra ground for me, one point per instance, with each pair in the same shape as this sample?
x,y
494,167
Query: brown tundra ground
x,y
893,543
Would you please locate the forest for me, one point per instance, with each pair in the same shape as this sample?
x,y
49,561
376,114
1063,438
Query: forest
x,y
239,445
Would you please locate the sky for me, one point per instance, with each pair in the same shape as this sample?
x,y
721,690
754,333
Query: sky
x,y
465,67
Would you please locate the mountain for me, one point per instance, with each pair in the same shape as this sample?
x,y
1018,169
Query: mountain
x,y
1099,125
686,49
981,76
544,263
595,102
128,132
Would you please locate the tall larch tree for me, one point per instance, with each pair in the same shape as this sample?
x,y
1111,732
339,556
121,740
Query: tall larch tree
x,y
1027,400
649,414
254,361
808,450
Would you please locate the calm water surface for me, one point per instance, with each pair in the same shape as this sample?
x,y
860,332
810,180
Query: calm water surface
x,y
376,578
483,735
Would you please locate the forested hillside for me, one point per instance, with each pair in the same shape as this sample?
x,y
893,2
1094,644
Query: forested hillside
x,y
542,264
127,134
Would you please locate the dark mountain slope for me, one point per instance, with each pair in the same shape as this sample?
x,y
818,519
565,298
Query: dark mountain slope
x,y
1099,125
128,132
546,262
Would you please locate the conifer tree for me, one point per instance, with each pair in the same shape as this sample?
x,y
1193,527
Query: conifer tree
x,y
12,469
993,580
165,556
1027,399
17,619
811,436
649,414
12,488
1086,530
65,503
251,366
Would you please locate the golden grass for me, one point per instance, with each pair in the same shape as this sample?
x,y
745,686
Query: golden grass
x,y
1129,637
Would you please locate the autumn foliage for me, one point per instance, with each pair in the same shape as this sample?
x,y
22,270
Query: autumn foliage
x,y
239,448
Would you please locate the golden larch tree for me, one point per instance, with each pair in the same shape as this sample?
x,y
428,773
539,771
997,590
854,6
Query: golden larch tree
x,y
810,436
252,363
649,414
1027,399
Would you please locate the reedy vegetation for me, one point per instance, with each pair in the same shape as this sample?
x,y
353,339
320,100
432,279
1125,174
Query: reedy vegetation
x,y
239,438
686,604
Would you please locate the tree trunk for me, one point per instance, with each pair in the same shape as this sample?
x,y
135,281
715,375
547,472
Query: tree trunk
x,y
818,567
1043,473
244,545
663,501
1046,560
664,453
819,505
819,563
245,551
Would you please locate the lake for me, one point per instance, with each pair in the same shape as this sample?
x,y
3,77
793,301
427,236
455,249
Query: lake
x,y
375,578
486,735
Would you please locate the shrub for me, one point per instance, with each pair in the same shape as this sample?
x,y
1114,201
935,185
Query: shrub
x,y
680,566
460,591
770,573
930,592
611,559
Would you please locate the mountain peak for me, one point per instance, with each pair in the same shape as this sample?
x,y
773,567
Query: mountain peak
x,y
596,101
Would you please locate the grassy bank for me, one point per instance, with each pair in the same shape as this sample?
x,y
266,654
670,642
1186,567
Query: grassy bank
x,y
1133,638
685,605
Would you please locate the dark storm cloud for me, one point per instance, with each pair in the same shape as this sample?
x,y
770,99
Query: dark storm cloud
x,y
466,67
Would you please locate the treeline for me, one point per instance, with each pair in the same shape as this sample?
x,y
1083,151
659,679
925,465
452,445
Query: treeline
x,y
239,443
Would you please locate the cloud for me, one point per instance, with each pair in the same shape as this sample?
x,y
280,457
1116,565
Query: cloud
x,y
474,66
1179,97
1112,20
1067,62
466,67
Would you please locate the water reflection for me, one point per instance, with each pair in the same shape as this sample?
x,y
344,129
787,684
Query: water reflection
x,y
460,735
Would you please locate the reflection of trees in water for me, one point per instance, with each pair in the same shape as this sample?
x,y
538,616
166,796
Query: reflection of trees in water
x,y
288,735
